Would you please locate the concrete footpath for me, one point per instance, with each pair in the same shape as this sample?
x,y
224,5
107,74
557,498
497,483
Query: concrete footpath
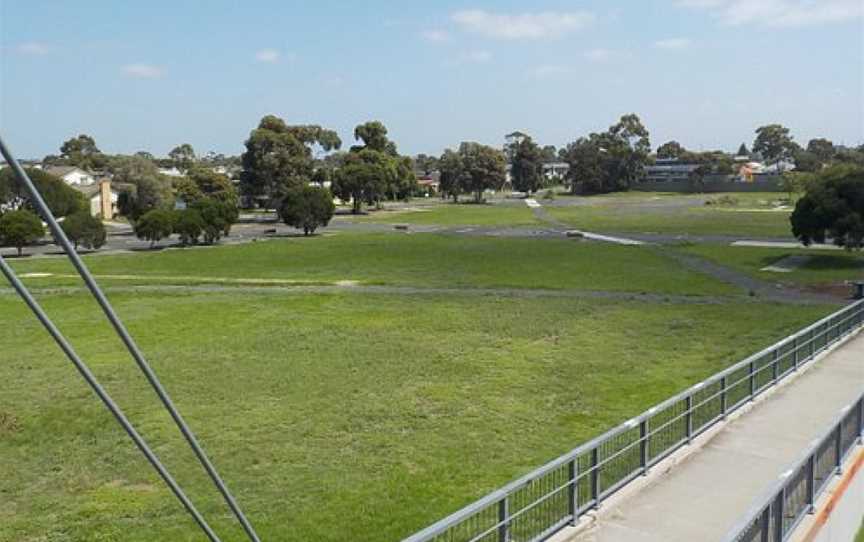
x,y
708,492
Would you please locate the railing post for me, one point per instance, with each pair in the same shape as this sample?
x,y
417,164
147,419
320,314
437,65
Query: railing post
x,y
573,492
643,446
838,449
723,399
595,478
861,421
778,516
688,402
775,369
765,521
811,484
752,373
795,353
503,521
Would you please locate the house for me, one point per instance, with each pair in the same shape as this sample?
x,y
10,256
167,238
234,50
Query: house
x,y
669,170
170,172
72,175
555,170
429,184
102,197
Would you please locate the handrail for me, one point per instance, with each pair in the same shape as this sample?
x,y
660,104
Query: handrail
x,y
801,347
763,515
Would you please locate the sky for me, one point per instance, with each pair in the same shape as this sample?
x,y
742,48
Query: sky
x,y
151,75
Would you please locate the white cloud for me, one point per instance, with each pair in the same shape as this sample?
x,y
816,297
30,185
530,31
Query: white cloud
x,y
673,43
143,71
780,13
33,48
540,25
435,35
267,56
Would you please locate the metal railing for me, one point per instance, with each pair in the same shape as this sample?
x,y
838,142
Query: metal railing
x,y
775,516
541,503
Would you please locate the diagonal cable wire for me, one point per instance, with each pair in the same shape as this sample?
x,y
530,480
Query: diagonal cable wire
x,y
131,346
106,399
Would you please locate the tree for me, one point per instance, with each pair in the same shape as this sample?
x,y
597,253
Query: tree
x,y
549,154
609,161
806,161
697,177
82,151
743,150
19,229
822,149
774,143
155,225
672,149
832,207
425,164
452,171
183,156
188,224
526,165
62,199
142,188
374,137
363,178
307,208
279,157
145,155
85,230
218,217
484,168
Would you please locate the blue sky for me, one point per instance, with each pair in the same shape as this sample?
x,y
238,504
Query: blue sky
x,y
150,75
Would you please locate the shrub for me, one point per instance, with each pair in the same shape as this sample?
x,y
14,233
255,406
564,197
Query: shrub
x,y
188,224
84,229
20,228
307,208
155,225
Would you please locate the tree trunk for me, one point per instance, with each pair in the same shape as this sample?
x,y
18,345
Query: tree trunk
x,y
20,251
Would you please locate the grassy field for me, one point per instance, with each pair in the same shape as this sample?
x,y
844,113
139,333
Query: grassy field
x,y
751,215
422,260
333,417
514,213
823,267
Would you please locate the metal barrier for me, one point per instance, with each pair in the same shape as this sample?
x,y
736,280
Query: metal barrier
x,y
775,516
541,503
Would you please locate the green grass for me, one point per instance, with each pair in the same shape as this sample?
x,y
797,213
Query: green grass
x,y
333,417
450,214
860,537
678,214
422,260
823,267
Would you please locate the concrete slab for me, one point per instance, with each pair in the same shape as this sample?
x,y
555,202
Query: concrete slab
x,y
782,244
702,497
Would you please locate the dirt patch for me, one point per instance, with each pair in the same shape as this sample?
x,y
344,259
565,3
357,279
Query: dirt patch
x,y
838,290
9,424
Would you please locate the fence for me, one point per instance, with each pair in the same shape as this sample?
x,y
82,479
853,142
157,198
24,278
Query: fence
x,y
543,502
775,517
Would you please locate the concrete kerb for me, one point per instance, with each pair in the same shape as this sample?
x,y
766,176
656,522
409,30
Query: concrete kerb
x,y
610,507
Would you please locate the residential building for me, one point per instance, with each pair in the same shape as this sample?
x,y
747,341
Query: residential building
x,y
669,170
555,170
72,175
102,198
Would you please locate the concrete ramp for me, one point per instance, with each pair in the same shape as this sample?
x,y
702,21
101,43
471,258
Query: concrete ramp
x,y
705,492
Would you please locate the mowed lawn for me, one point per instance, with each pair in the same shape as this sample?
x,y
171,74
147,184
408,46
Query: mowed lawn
x,y
513,213
333,417
754,215
820,268
421,260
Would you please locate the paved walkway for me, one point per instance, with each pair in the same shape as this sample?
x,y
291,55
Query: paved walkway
x,y
705,495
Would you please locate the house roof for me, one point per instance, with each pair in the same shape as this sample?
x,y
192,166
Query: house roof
x,y
62,171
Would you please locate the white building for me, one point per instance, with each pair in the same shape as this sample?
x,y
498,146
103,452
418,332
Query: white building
x,y
170,172
102,198
71,175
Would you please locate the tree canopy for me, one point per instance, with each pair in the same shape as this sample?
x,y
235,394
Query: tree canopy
x,y
142,188
526,164
609,161
20,228
155,225
774,143
279,157
183,156
82,151
671,149
84,229
832,208
61,198
307,208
